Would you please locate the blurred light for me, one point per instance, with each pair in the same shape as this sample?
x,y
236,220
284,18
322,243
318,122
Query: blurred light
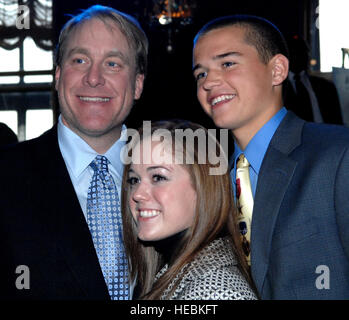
x,y
166,11
164,19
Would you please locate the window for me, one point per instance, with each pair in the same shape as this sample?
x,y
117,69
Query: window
x,y
11,119
333,24
36,59
9,62
26,66
37,122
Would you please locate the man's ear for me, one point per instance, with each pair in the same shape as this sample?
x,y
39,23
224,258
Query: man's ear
x,y
138,86
279,64
57,76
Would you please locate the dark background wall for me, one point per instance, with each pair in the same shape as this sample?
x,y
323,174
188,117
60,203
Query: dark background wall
x,y
169,90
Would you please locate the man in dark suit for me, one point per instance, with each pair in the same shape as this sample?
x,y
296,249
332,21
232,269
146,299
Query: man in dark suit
x,y
46,247
310,97
7,136
298,172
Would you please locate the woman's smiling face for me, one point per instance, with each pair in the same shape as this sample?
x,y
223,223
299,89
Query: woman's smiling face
x,y
162,197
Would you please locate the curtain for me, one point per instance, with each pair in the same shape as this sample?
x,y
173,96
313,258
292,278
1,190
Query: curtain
x,y
22,18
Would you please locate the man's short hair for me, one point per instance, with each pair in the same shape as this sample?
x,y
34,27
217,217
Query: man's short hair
x,y
259,32
128,25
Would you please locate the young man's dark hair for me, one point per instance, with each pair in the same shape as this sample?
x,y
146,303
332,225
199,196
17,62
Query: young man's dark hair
x,y
260,33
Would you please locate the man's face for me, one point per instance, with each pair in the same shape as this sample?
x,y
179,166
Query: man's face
x,y
234,87
96,81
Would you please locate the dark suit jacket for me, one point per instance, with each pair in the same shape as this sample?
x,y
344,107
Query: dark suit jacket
x,y
42,226
301,213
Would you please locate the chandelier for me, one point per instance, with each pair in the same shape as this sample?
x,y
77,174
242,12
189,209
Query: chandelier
x,y
171,16
173,11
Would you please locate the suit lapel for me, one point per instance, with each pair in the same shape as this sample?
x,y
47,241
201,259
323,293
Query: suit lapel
x,y
277,171
274,178
68,225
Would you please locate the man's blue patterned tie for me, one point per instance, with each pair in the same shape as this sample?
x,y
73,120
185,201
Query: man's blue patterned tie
x,y
104,221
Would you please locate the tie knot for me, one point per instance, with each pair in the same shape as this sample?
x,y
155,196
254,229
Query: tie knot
x,y
242,162
100,163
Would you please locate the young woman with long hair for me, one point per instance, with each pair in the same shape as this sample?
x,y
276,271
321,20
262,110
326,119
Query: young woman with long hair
x,y
179,220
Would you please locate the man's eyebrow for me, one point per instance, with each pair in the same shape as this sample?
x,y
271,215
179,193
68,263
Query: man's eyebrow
x,y
118,54
219,56
226,54
196,67
112,53
77,50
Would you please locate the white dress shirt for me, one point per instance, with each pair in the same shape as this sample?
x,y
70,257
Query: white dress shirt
x,y
78,155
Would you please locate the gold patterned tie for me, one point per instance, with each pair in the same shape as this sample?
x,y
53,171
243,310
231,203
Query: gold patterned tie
x,y
244,200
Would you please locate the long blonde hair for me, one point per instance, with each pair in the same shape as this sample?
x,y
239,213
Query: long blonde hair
x,y
214,215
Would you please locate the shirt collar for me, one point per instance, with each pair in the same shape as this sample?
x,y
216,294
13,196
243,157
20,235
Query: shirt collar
x,y
257,147
77,154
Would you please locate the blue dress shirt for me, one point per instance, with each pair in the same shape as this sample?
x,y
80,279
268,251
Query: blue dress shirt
x,y
256,149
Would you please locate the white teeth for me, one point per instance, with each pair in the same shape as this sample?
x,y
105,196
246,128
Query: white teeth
x,y
222,98
149,213
94,99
